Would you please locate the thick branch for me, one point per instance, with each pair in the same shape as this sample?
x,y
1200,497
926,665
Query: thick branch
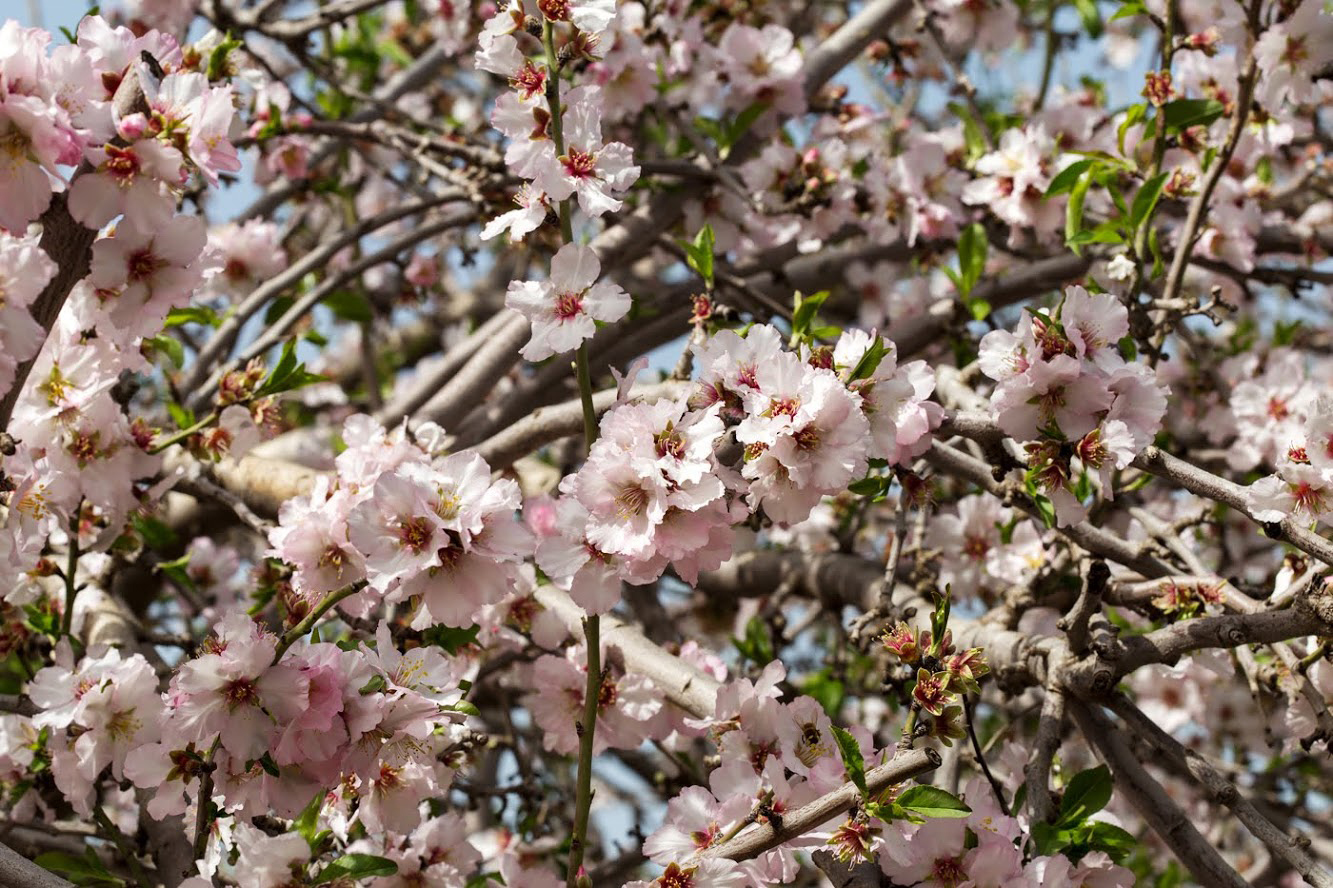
x,y
1152,802
1223,790
19,872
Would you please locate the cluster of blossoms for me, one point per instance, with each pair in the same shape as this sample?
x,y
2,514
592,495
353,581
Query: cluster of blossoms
x,y
1302,487
558,150
275,726
983,547
1065,388
664,483
778,756
142,130
943,673
433,531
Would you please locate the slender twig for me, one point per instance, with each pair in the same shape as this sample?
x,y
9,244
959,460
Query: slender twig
x,y
981,757
302,628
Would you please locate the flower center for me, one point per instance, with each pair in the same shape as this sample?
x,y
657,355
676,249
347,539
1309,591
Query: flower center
x,y
415,534
530,81
568,306
240,692
142,265
580,164
122,164
948,872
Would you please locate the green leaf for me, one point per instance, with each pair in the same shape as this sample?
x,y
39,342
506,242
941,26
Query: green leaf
x,y
1182,114
1129,349
287,374
804,315
155,533
349,305
217,59
1102,836
169,346
176,569
870,361
867,486
931,801
979,308
1045,508
740,126
852,759
1128,9
699,254
82,870
972,248
756,646
1146,201
1106,233
1091,17
826,689
181,415
452,640
1133,114
307,824
974,134
1074,212
1065,179
1086,794
356,866
192,314
481,880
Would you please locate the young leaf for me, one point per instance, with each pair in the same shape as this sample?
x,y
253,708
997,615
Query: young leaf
x,y
1146,200
931,801
1067,177
852,759
972,248
1182,114
287,374
870,361
1074,212
356,866
804,315
1086,794
700,254
169,346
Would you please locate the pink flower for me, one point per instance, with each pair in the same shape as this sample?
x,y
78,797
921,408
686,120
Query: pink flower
x,y
1052,395
135,180
267,860
695,820
588,168
237,693
625,706
396,531
1095,324
763,64
1291,53
25,270
139,275
563,308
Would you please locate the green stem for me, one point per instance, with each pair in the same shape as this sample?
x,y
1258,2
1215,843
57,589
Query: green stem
x,y
302,628
557,120
205,801
122,844
585,395
71,568
592,692
587,728
184,433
